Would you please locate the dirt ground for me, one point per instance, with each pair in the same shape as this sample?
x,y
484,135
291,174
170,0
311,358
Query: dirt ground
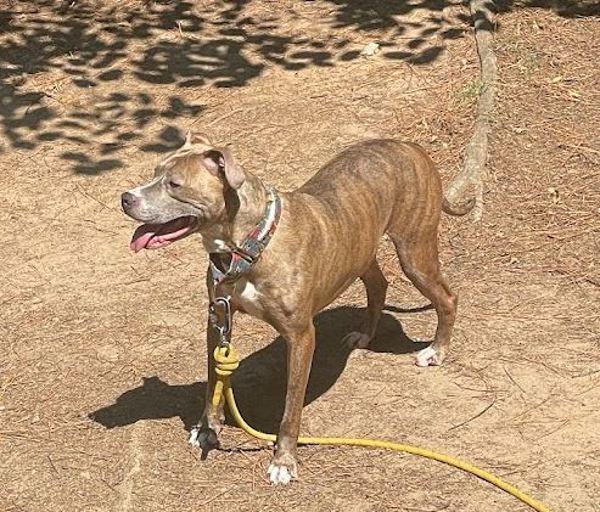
x,y
102,354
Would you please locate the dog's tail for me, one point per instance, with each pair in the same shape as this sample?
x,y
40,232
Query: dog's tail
x,y
458,210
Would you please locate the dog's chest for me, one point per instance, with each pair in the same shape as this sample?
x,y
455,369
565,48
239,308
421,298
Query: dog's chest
x,y
247,298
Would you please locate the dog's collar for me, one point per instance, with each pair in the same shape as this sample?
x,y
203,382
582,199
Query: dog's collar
x,y
247,253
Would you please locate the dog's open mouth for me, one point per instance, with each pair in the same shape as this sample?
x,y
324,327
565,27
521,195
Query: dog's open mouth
x,y
155,236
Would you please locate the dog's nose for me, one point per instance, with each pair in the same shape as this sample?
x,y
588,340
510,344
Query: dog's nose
x,y
128,200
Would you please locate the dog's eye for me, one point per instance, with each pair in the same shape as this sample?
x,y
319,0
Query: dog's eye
x,y
174,184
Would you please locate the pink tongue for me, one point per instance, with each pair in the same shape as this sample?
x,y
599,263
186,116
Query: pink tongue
x,y
142,236
140,242
148,236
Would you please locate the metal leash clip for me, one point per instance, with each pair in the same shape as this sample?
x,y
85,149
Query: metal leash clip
x,y
220,318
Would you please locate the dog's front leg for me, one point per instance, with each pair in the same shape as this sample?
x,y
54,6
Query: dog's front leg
x,y
205,434
300,349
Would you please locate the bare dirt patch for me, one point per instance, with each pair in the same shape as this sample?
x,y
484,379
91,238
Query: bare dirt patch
x,y
92,95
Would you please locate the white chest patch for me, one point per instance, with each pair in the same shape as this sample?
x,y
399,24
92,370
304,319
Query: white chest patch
x,y
248,297
249,292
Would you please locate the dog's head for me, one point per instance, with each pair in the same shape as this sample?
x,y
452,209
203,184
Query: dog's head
x,y
186,194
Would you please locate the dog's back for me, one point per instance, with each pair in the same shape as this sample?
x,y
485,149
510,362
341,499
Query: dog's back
x,y
388,181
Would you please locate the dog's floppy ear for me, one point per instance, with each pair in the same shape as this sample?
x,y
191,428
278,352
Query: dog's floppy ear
x,y
220,160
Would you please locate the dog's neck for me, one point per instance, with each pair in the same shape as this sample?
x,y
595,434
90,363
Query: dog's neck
x,y
244,209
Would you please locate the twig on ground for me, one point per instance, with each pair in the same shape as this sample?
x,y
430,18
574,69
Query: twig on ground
x,y
481,413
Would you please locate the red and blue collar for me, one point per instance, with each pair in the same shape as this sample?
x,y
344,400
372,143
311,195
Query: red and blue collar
x,y
248,252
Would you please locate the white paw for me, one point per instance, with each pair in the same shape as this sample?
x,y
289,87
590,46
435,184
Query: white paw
x,y
428,357
279,474
193,438
357,340
203,438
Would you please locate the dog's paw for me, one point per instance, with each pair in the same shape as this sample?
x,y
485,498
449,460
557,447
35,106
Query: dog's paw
x,y
203,438
282,470
429,356
357,340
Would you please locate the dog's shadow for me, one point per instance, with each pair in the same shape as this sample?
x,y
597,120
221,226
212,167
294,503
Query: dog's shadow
x,y
260,381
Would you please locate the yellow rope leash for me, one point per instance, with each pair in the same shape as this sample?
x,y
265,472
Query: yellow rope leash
x,y
227,361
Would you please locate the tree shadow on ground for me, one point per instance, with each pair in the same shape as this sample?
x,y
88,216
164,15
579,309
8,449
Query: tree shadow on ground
x,y
55,55
260,381
564,8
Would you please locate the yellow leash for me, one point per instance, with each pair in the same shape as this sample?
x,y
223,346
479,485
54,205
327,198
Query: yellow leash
x,y
227,362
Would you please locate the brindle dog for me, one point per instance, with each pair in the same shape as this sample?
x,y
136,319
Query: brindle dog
x,y
327,237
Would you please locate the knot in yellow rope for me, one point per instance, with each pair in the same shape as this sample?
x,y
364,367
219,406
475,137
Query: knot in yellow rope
x,y
226,361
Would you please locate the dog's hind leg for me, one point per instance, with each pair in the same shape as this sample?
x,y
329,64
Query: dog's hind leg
x,y
376,286
419,260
